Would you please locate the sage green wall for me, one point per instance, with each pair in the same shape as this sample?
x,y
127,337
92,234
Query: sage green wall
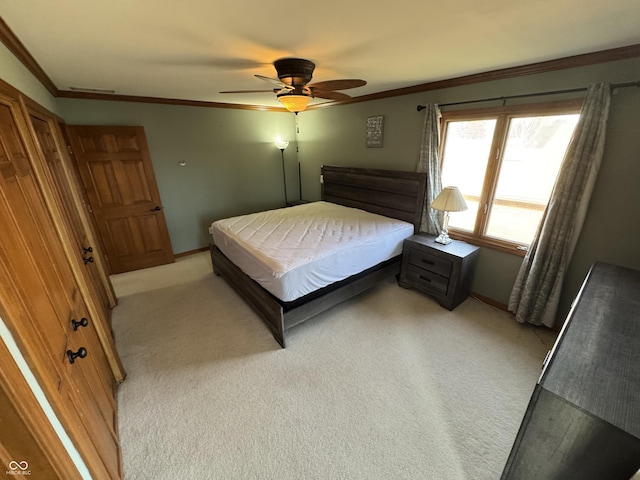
x,y
16,74
336,136
232,165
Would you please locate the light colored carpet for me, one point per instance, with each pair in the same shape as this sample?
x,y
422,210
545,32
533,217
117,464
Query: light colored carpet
x,y
388,385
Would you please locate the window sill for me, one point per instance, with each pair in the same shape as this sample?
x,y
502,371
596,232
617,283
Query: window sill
x,y
491,243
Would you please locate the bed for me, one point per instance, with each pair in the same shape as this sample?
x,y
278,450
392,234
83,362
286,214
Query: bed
x,y
284,296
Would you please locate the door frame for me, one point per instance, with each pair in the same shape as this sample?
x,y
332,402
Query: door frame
x,y
31,422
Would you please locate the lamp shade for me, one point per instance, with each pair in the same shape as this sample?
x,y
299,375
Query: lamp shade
x,y
295,103
449,200
281,144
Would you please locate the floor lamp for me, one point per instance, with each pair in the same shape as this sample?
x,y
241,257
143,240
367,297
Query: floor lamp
x,y
281,144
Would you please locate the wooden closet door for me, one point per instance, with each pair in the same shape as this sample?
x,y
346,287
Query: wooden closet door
x,y
57,169
84,246
81,201
117,173
40,301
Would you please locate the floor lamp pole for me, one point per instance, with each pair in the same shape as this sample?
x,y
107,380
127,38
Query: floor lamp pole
x,y
299,183
284,178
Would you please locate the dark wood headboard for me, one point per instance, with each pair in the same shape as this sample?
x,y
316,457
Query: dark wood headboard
x,y
390,193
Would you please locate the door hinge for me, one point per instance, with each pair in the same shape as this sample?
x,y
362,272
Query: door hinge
x,y
69,149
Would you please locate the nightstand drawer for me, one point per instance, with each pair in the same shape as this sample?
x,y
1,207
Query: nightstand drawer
x,y
430,262
424,279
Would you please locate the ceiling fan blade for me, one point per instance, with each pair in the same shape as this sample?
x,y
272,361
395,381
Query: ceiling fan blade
x,y
293,75
268,79
329,95
274,81
249,91
343,84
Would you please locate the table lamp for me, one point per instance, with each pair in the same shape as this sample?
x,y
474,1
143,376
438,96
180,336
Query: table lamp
x,y
448,200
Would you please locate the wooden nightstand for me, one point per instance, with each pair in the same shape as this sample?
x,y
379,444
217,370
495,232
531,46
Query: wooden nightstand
x,y
442,271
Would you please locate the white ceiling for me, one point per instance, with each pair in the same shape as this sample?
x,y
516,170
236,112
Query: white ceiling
x,y
193,49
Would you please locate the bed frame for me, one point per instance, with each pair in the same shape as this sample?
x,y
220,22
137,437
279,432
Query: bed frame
x,y
391,193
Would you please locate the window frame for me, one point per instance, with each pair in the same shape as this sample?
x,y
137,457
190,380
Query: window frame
x,y
503,115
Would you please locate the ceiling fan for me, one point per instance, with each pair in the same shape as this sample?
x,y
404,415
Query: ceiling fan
x,y
294,90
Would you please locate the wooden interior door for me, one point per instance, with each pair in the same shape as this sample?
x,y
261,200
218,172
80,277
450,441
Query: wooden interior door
x,y
42,305
117,173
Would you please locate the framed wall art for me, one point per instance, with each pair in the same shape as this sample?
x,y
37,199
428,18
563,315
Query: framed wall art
x,y
375,131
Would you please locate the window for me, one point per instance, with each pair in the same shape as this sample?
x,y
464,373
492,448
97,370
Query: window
x,y
505,162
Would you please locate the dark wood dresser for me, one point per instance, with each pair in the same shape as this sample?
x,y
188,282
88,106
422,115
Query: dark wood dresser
x,y
583,419
442,271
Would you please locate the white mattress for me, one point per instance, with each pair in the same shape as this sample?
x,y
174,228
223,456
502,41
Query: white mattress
x,y
294,251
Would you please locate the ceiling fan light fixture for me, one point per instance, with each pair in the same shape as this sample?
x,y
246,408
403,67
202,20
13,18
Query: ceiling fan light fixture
x,y
295,103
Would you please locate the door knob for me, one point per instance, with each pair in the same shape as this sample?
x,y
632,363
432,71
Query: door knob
x,y
71,355
82,323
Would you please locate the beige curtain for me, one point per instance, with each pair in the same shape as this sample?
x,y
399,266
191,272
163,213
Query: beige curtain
x,y
536,292
429,163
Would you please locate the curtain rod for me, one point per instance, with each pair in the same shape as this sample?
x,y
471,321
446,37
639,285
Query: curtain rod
x,y
526,95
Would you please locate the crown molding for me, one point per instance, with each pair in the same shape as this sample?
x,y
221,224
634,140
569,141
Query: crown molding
x,y
165,101
16,47
622,53
583,60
